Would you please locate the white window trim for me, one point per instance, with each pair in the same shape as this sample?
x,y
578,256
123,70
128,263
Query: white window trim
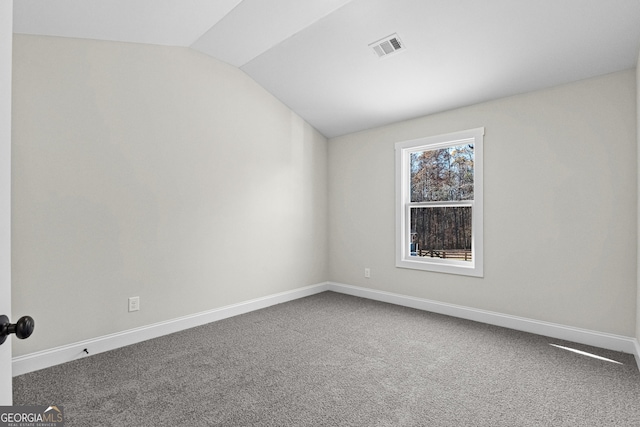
x,y
403,195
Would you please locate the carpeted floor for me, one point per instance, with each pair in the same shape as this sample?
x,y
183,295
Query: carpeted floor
x,y
337,360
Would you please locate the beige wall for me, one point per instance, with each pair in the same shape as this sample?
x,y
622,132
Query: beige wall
x,y
559,206
638,198
155,172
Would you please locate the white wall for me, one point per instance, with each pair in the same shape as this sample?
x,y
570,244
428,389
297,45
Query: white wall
x,y
156,172
559,206
160,172
638,172
6,31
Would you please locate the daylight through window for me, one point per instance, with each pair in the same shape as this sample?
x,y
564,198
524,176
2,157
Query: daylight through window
x,y
439,198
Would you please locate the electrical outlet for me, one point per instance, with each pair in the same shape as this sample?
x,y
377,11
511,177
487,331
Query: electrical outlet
x,y
134,303
367,273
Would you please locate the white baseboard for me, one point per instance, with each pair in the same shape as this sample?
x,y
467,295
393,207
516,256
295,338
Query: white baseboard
x,y
582,336
44,359
55,356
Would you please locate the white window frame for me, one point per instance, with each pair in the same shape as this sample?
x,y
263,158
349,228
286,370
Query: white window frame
x,y
403,204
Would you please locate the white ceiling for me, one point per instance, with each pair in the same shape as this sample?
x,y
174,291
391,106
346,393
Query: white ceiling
x,y
313,55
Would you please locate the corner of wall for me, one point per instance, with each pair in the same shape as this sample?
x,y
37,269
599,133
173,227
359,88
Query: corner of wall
x,y
638,211
152,174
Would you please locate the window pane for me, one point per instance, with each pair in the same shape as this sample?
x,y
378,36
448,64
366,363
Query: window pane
x,y
441,232
443,174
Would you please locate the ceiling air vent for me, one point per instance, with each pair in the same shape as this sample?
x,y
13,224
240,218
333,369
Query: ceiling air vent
x,y
387,46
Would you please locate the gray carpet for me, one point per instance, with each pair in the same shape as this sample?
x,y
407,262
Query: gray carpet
x,y
337,360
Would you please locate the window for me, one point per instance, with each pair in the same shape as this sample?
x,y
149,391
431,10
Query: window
x,y
439,203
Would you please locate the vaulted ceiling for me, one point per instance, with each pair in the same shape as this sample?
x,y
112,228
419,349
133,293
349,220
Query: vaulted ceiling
x,y
315,55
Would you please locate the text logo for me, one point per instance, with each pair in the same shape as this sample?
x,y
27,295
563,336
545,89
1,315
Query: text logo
x,y
31,416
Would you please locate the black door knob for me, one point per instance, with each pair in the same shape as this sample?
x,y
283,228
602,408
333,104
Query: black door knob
x,y
23,328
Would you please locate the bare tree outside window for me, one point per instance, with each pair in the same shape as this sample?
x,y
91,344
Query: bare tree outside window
x,y
439,203
442,175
